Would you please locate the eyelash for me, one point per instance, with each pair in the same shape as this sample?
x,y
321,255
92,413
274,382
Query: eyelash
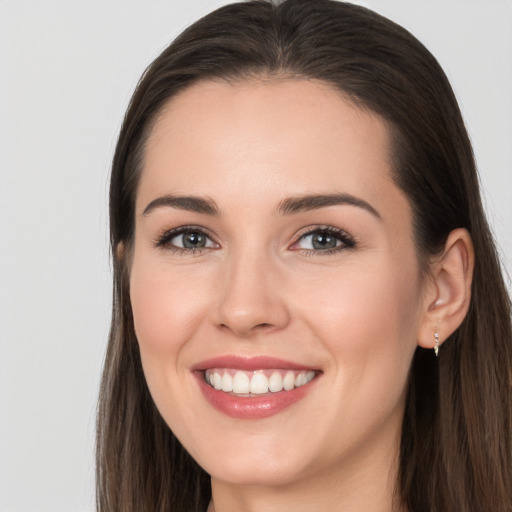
x,y
164,241
347,242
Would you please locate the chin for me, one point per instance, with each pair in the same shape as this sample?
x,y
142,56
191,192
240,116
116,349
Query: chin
x,y
243,473
258,460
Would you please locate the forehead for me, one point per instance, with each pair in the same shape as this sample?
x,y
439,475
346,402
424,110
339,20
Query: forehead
x,y
300,134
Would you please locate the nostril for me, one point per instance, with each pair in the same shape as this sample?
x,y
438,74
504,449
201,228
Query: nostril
x,y
247,331
250,316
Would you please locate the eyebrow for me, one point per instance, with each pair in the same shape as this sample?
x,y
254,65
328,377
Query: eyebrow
x,y
288,206
317,201
190,203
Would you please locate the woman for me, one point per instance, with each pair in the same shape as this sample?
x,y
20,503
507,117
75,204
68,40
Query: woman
x,y
308,308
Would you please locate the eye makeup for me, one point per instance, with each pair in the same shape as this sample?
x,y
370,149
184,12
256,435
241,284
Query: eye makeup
x,y
313,240
186,239
323,240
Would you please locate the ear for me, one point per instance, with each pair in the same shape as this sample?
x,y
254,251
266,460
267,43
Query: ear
x,y
448,292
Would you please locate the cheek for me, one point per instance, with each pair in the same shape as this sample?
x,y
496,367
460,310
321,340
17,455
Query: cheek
x,y
368,321
167,310
382,298
164,305
167,306
387,306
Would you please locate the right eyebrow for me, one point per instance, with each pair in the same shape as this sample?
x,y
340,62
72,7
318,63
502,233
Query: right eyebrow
x,y
190,203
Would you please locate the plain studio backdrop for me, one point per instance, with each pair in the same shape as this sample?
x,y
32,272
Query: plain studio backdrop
x,y
67,70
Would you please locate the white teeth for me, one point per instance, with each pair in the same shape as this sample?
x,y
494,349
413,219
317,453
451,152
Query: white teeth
x,y
257,382
240,383
275,382
217,381
227,382
289,381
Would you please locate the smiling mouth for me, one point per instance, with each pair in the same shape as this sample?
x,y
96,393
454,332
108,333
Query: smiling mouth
x,y
256,382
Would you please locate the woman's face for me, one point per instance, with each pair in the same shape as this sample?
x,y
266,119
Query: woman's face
x,y
274,257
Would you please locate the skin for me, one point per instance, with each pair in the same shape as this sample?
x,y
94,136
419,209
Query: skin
x,y
259,288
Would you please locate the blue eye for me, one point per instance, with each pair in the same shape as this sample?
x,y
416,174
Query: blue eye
x,y
324,240
186,239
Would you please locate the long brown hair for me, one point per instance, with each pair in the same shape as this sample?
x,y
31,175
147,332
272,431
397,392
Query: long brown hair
x,y
456,448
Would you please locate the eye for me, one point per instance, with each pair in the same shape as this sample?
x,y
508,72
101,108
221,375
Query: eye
x,y
186,239
190,240
326,240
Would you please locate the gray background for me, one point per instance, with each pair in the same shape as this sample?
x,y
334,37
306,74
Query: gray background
x,y
67,69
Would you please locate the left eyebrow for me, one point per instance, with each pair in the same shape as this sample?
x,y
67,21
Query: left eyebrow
x,y
316,201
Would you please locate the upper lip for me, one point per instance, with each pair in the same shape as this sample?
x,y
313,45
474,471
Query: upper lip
x,y
249,363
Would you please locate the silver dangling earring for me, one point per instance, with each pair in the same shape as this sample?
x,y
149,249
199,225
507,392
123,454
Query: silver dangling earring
x,y
436,345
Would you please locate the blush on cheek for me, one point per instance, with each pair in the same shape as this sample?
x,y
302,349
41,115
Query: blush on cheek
x,y
150,321
166,309
379,316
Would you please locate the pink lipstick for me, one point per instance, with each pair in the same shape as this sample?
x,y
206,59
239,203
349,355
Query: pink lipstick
x,y
253,388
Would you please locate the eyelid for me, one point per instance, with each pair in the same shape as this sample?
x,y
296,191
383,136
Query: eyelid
x,y
347,240
162,241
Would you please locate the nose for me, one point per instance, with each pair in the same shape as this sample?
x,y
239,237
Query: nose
x,y
251,298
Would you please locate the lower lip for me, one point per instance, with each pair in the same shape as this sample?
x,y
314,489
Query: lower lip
x,y
252,408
